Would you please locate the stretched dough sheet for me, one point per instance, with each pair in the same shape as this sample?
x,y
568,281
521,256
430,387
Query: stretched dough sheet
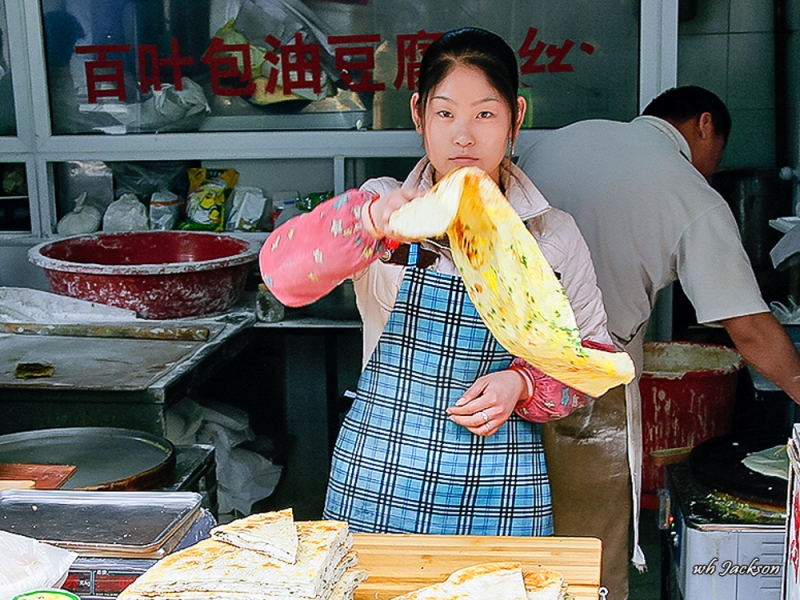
x,y
772,462
513,286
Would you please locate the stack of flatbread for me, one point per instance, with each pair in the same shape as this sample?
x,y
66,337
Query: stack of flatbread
x,y
265,556
491,581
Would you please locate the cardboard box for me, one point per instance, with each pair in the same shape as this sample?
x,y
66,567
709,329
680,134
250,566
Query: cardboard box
x,y
791,570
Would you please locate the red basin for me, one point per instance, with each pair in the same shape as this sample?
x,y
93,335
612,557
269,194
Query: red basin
x,y
159,274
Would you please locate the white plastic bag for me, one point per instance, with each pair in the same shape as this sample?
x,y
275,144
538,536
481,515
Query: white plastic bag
x,y
164,210
27,564
243,476
84,218
248,205
125,214
786,315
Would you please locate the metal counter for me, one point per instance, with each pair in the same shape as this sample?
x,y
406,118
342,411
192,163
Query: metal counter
x,y
110,382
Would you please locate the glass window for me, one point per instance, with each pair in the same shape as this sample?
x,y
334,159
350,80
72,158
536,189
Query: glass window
x,y
8,122
15,214
129,66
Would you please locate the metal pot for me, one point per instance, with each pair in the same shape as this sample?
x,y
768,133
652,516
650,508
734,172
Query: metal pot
x,y
755,196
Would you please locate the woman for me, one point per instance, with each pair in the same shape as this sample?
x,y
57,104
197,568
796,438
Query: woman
x,y
441,437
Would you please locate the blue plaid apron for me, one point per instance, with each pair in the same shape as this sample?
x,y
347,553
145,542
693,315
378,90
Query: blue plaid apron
x,y
400,465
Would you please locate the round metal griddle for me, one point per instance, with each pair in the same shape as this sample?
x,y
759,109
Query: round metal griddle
x,y
717,462
106,458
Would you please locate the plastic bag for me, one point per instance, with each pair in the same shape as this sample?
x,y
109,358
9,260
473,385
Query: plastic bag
x,y
786,315
772,462
286,18
84,218
165,208
205,205
290,209
167,109
170,109
248,205
27,564
125,214
144,178
243,476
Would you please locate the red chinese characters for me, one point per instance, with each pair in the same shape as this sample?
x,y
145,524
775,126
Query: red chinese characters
x,y
105,77
296,66
224,61
301,68
150,66
409,53
355,54
533,52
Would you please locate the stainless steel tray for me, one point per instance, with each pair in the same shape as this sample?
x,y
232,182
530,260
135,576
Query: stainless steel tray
x,y
118,524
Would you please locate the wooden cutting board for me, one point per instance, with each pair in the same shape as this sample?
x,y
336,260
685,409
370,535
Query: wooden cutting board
x,y
46,477
400,563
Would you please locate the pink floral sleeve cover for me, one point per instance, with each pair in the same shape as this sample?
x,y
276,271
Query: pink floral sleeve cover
x,y
552,399
330,246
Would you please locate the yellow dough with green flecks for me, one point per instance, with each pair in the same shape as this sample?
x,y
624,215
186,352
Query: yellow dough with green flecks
x,y
511,283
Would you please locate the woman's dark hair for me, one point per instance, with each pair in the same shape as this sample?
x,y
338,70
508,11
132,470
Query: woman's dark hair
x,y
680,104
473,47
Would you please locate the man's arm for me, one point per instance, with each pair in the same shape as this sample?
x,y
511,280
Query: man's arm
x,y
763,343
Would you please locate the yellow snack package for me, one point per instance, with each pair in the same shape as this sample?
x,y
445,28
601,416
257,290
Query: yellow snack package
x,y
205,205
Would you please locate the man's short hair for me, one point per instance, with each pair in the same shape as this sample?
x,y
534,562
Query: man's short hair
x,y
680,104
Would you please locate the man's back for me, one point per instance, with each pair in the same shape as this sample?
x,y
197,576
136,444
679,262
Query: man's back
x,y
641,206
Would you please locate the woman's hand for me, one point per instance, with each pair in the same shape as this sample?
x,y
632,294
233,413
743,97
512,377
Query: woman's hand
x,y
375,214
489,402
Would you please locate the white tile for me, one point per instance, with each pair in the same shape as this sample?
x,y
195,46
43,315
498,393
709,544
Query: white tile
x,y
751,71
711,17
751,16
793,106
752,141
703,60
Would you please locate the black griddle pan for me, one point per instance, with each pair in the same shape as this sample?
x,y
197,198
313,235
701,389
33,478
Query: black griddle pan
x,y
717,462
107,458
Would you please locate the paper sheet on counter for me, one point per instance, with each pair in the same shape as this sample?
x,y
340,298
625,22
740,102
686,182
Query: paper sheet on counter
x,y
27,305
786,253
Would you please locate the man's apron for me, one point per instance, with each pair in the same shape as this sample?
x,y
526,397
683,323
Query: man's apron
x,y
594,461
400,464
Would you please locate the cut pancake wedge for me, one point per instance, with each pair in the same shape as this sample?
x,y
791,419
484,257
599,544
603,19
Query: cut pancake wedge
x,y
488,581
544,584
272,533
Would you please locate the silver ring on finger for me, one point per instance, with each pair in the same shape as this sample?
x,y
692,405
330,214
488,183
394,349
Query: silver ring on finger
x,y
488,429
485,417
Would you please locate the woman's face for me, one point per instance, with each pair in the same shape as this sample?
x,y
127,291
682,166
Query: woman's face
x,y
467,123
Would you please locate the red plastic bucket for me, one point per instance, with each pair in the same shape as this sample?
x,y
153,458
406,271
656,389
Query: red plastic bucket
x,y
159,274
688,392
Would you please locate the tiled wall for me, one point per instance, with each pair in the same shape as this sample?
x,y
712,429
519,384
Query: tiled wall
x,y
728,47
794,91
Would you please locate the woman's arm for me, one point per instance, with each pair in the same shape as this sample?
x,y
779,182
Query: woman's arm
x,y
309,255
522,388
550,399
